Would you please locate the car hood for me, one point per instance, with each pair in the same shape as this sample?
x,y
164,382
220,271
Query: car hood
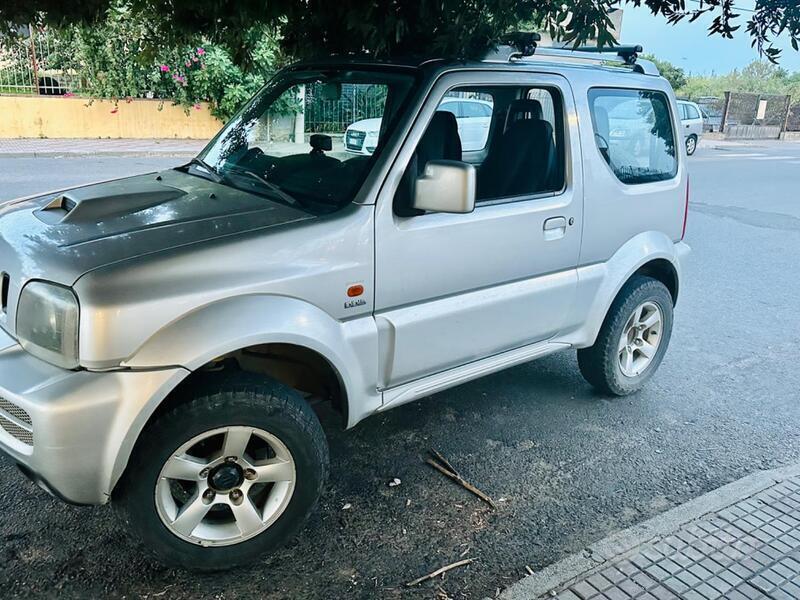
x,y
61,236
367,125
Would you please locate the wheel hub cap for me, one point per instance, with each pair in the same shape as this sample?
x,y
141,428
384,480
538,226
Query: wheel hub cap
x,y
226,477
640,339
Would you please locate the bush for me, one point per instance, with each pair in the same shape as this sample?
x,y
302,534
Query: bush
x,y
117,62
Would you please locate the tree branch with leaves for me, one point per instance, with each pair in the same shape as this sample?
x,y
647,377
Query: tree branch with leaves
x,y
441,28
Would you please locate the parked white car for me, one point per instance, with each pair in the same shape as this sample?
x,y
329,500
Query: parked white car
x,y
691,124
473,117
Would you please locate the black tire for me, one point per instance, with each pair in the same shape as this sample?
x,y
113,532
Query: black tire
x,y
599,364
691,146
238,399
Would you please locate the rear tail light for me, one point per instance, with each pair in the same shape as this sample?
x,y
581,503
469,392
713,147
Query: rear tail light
x,y
685,209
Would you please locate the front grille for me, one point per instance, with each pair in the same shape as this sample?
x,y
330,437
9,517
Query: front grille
x,y
15,411
22,434
355,140
16,422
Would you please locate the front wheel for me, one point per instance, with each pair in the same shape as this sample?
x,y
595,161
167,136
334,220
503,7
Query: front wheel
x,y
691,144
226,477
632,340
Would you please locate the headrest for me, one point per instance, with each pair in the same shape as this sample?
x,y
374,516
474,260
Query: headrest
x,y
601,122
440,140
525,108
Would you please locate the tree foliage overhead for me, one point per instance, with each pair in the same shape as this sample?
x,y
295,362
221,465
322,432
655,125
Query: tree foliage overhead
x,y
454,28
675,75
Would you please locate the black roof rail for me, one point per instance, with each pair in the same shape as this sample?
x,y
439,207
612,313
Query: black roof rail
x,y
629,54
523,46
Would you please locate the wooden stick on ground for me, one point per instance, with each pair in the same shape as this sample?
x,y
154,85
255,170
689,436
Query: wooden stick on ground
x,y
462,482
438,572
444,461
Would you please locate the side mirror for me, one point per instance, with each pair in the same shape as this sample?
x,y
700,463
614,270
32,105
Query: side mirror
x,y
446,186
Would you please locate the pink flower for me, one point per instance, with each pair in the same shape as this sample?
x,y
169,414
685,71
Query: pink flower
x,y
165,68
188,63
197,107
200,52
69,95
195,59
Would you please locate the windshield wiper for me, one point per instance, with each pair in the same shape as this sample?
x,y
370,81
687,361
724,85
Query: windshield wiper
x,y
199,162
277,191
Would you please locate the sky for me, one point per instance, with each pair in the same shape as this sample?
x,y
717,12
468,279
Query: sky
x,y
688,46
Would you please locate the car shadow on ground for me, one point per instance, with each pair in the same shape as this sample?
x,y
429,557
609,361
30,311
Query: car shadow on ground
x,y
364,536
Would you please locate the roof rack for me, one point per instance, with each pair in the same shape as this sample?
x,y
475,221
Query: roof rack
x,y
629,54
520,46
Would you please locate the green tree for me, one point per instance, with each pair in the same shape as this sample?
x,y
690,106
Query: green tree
x,y
436,27
675,75
117,60
759,77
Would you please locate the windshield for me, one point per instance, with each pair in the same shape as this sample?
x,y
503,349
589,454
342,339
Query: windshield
x,y
307,138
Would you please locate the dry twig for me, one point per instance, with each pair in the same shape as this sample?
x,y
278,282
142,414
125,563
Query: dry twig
x,y
444,461
462,482
438,572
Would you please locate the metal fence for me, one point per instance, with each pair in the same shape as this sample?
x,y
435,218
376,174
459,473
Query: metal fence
x,y
754,116
37,62
357,101
793,120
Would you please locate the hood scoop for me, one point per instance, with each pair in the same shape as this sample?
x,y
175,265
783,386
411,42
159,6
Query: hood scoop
x,y
101,202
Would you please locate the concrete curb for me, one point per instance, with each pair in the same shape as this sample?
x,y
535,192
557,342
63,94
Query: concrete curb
x,y
617,545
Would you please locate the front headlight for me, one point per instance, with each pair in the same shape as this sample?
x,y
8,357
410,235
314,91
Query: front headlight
x,y
47,323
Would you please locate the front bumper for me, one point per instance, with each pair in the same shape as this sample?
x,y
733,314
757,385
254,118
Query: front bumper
x,y
72,431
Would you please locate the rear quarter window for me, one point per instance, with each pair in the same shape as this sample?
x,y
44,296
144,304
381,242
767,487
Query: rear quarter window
x,y
633,132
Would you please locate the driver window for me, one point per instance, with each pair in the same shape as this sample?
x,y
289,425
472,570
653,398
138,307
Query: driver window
x,y
513,135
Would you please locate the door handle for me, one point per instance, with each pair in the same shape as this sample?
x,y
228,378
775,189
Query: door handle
x,y
554,228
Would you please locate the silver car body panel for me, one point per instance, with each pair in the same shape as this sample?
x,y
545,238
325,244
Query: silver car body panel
x,y
208,270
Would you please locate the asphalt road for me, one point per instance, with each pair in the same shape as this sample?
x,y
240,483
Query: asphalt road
x,y
567,465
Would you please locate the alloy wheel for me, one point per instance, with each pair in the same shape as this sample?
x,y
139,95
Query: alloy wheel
x,y
225,486
640,339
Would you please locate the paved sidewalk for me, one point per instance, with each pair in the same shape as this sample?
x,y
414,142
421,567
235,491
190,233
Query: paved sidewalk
x,y
741,542
723,144
102,147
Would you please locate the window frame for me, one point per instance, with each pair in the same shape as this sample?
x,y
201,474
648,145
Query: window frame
x,y
559,115
673,125
446,81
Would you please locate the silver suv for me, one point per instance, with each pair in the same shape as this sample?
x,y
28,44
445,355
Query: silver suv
x,y
163,335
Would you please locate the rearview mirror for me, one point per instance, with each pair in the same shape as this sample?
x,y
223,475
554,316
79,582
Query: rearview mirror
x,y
446,186
332,92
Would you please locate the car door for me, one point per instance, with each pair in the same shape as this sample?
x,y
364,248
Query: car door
x,y
455,288
691,120
685,125
694,120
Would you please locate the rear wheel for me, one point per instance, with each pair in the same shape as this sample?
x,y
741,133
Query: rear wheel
x,y
691,144
632,340
226,477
